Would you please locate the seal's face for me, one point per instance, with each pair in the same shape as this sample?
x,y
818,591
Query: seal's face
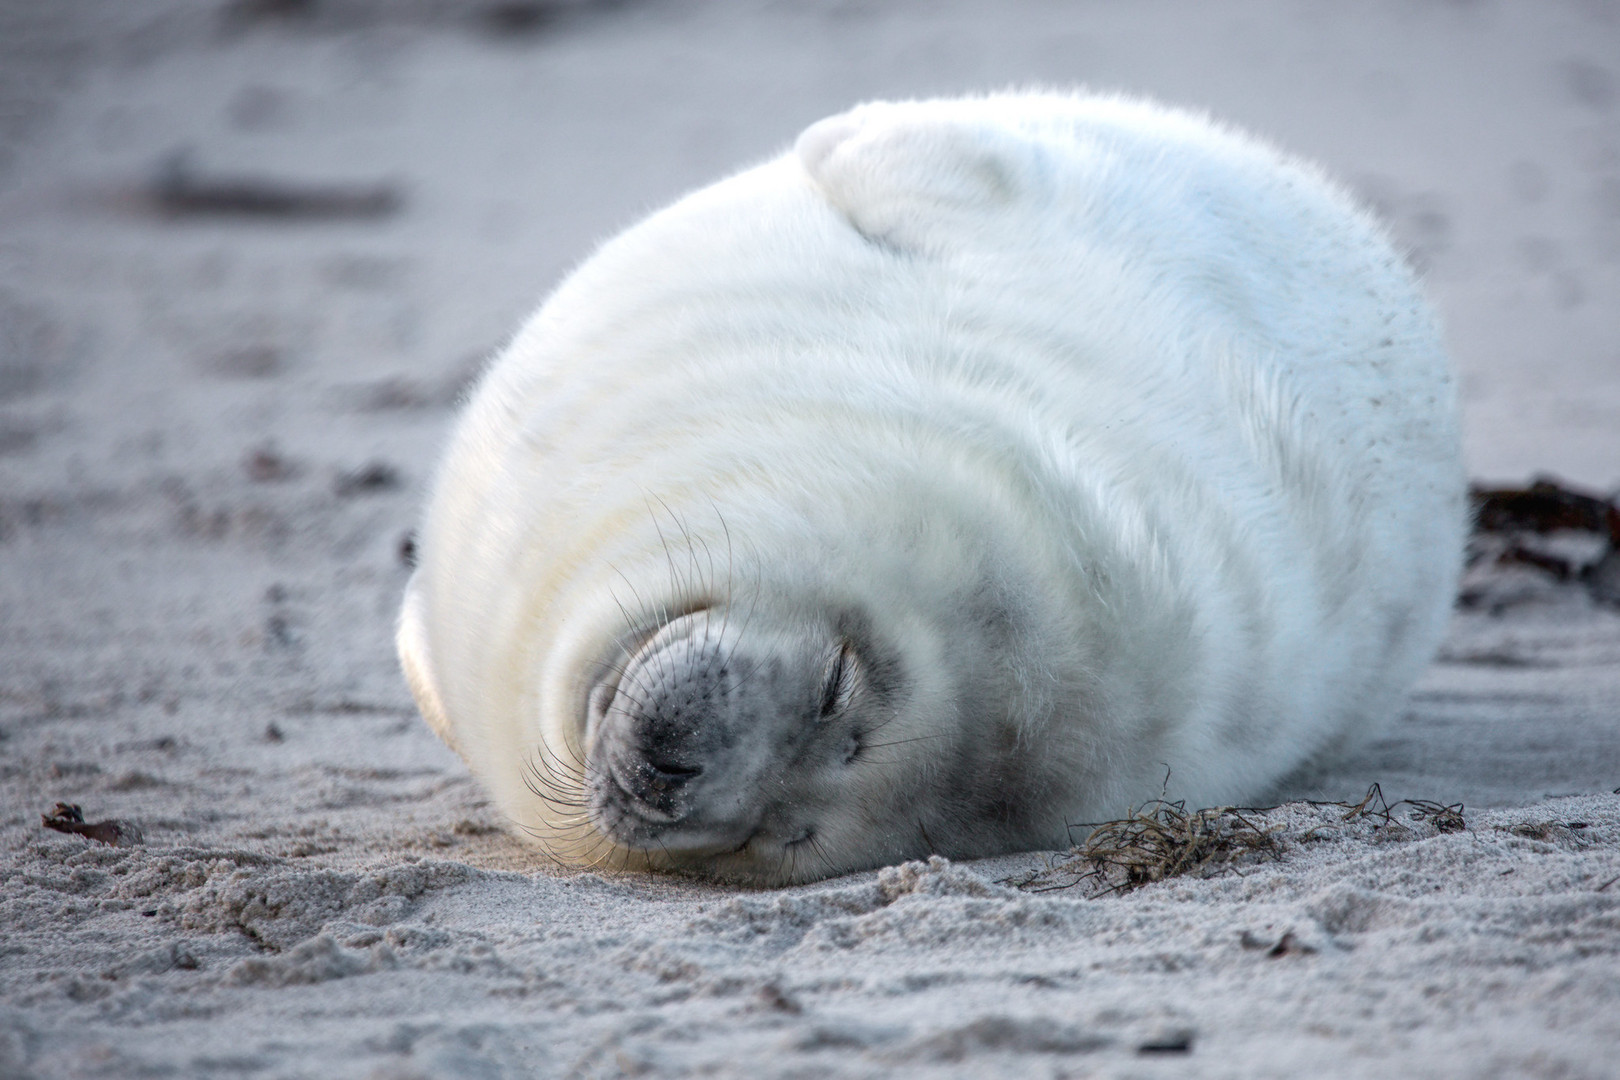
x,y
719,743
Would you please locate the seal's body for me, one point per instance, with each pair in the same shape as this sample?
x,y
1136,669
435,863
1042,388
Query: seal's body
x,y
937,485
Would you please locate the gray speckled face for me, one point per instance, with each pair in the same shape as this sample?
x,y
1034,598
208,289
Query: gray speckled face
x,y
729,750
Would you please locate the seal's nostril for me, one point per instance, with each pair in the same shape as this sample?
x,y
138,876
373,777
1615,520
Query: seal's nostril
x,y
674,770
665,775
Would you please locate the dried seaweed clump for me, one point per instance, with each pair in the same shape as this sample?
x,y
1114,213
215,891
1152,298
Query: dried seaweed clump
x,y
1444,818
1164,839
1156,841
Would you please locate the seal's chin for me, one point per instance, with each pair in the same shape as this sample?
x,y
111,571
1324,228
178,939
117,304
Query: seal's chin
x,y
632,813
633,824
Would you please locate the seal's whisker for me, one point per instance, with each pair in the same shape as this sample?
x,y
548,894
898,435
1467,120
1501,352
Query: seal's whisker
x,y
566,803
549,755
708,555
928,842
570,826
899,742
679,588
644,611
628,686
566,799
881,724
821,853
545,848
657,615
575,762
603,851
540,772
726,603
558,780
621,671
746,673
725,529
691,554
881,762
646,614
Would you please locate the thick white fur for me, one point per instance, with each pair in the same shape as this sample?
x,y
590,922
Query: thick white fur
x,y
1164,394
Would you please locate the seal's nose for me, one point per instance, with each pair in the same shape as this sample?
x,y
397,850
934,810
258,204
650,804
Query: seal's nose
x,y
658,756
659,724
657,787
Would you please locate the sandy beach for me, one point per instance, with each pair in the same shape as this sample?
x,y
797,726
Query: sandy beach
x,y
252,252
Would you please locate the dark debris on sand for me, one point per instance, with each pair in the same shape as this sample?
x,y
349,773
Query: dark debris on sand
x,y
68,818
1162,840
1550,527
181,190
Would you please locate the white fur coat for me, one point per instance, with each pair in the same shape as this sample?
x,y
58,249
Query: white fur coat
x,y
1134,435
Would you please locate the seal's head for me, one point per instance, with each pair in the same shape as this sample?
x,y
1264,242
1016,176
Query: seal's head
x,y
724,743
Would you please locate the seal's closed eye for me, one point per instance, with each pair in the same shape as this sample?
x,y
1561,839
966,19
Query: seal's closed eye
x,y
839,683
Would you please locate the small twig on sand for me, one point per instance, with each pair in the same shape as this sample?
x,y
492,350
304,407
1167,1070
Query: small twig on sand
x,y
1446,819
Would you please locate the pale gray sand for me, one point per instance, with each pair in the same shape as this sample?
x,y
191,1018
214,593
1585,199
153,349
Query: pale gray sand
x,y
198,575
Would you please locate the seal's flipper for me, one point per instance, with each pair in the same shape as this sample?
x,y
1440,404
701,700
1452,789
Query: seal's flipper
x,y
411,641
914,179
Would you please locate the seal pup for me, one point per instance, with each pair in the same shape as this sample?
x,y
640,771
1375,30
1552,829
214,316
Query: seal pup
x,y
937,485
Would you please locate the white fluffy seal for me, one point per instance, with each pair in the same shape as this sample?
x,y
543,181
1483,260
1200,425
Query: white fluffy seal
x,y
935,486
